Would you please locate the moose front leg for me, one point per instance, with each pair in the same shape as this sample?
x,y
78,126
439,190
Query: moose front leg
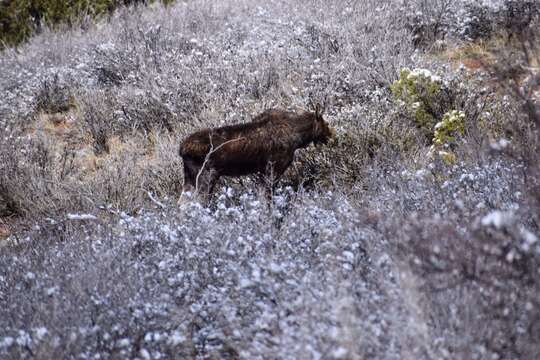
x,y
274,172
199,178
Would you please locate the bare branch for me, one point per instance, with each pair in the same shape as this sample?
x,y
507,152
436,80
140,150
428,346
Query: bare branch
x,y
161,205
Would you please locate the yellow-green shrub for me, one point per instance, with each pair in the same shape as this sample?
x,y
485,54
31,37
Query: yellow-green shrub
x,y
446,130
446,134
419,91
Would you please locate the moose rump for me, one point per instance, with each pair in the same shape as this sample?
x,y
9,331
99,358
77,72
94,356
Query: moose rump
x,y
265,146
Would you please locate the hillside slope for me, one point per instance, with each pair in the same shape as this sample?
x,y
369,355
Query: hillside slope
x,y
414,235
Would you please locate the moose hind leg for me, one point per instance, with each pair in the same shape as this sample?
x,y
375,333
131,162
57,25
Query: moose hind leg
x,y
191,169
206,182
214,177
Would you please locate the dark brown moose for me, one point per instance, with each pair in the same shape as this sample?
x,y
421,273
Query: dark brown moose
x,y
265,146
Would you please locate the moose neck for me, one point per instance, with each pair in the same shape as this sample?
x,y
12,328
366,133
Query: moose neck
x,y
304,132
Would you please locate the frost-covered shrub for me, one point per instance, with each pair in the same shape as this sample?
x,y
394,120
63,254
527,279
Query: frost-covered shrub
x,y
462,239
98,117
29,179
480,20
240,280
115,65
515,16
54,96
524,130
163,176
147,112
322,43
475,21
471,20
486,267
429,21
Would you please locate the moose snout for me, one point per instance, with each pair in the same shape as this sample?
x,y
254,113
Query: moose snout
x,y
331,136
333,133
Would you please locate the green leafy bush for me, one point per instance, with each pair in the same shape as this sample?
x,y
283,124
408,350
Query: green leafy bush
x,y
15,24
446,135
452,124
419,91
431,106
19,19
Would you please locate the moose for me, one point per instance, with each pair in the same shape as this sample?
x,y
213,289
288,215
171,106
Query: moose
x,y
264,146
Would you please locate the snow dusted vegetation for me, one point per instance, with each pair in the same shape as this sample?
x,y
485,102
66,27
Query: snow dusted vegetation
x,y
413,235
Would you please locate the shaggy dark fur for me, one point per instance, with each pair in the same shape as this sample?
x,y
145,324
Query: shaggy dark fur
x,y
265,146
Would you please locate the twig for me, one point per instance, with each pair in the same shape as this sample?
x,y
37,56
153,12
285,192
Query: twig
x,y
81,217
161,205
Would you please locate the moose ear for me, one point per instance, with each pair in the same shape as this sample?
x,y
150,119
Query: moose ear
x,y
318,110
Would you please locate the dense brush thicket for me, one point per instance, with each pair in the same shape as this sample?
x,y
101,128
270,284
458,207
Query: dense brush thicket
x,y
413,235
19,19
